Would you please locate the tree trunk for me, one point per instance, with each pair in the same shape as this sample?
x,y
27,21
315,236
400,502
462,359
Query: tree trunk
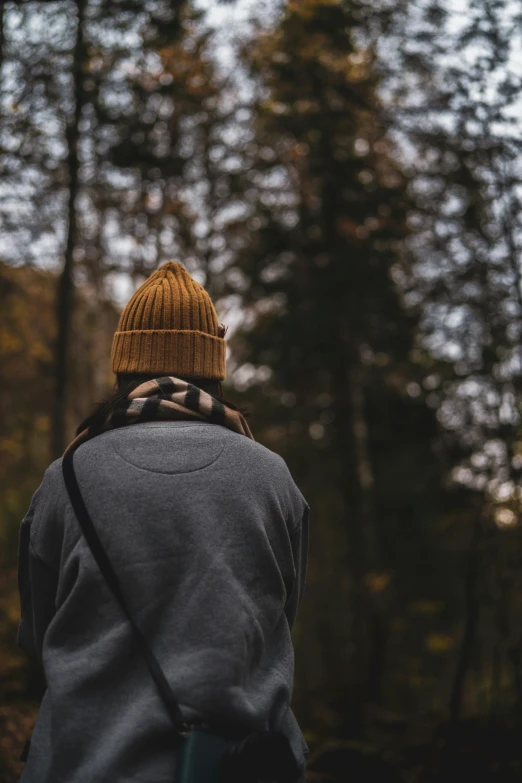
x,y
363,675
65,293
374,587
472,609
2,35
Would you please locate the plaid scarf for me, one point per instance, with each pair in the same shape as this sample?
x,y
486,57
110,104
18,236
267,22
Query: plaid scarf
x,y
163,399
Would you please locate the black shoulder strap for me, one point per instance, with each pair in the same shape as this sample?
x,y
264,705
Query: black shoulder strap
x,y
108,573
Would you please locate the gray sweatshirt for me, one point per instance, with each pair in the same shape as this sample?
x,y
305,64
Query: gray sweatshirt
x,y
208,535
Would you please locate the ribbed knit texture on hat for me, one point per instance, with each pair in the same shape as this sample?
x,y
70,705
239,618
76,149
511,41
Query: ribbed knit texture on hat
x,y
169,326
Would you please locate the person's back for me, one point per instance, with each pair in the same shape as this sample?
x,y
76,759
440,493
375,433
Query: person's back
x,y
208,535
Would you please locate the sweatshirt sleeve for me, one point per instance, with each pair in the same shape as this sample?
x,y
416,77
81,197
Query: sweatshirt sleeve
x,y
37,580
299,541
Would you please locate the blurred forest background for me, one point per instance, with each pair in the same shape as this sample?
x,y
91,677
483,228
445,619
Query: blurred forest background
x,y
345,178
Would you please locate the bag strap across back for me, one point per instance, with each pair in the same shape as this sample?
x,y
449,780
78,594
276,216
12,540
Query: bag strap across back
x,y
105,566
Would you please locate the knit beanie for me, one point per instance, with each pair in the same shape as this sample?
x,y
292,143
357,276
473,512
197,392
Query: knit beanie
x,y
170,327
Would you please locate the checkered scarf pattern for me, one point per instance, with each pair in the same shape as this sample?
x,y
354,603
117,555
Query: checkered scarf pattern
x,y
164,399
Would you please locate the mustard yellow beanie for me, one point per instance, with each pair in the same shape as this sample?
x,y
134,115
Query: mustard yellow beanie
x,y
170,326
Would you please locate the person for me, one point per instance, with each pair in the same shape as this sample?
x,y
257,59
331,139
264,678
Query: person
x,y
207,533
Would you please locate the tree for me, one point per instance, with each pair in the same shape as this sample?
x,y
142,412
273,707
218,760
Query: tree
x,y
160,24
458,120
111,112
66,284
328,337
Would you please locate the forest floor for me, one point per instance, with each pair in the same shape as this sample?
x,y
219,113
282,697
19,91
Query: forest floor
x,y
482,751
425,750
